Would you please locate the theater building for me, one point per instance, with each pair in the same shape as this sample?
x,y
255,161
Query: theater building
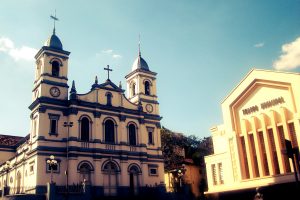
x,y
102,139
249,147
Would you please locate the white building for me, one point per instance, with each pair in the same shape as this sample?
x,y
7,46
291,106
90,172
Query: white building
x,y
259,114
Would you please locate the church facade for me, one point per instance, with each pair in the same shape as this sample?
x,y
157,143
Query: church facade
x,y
101,139
249,148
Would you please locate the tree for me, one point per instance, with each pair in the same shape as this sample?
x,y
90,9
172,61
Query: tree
x,y
191,146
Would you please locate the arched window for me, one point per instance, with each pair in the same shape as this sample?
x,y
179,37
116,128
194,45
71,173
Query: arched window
x,y
109,131
133,89
85,129
55,68
109,96
85,172
132,134
147,88
110,167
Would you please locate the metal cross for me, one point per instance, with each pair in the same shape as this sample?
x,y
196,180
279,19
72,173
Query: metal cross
x,y
108,70
54,19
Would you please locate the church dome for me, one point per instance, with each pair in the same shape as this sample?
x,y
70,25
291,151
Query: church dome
x,y
54,42
140,63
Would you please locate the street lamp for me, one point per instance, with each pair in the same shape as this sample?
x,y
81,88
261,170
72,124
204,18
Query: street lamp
x,y
68,125
52,163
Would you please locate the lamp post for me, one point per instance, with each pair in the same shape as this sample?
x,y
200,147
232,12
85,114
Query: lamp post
x,y
68,125
51,162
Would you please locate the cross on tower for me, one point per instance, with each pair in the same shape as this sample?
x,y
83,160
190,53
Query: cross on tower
x,y
108,70
54,19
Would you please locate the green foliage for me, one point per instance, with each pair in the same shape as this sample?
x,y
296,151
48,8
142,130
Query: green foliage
x,y
194,148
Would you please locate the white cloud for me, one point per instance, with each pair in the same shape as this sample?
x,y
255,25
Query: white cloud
x,y
107,51
290,56
24,53
6,44
259,45
117,56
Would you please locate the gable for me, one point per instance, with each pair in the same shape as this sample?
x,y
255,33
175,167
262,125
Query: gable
x,y
261,92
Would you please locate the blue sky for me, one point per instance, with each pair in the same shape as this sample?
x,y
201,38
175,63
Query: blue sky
x,y
200,49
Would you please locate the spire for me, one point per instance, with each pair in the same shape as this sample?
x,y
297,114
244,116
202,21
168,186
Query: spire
x,y
73,91
120,85
96,80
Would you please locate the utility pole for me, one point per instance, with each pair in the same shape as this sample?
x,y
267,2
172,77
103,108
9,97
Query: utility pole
x,y
68,125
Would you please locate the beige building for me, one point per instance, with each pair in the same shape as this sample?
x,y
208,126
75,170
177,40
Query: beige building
x,y
102,138
259,114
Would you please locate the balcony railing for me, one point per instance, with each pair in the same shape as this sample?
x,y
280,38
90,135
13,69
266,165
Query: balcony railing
x,y
18,190
110,146
71,189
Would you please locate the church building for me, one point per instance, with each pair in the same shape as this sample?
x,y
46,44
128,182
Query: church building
x,y
250,148
101,139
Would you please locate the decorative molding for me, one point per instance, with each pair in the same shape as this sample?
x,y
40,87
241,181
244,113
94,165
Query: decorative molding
x,y
42,109
97,114
122,118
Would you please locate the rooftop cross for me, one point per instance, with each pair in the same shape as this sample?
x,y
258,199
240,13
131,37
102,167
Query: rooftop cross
x,y
54,19
108,70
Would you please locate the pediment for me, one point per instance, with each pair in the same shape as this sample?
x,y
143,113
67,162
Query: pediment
x,y
258,93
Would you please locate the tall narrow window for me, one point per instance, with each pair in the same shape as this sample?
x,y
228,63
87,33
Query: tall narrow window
x,y
282,142
34,126
133,89
214,174
147,88
254,156
55,68
53,124
109,131
109,96
132,134
150,131
85,129
274,152
264,153
293,134
243,145
221,176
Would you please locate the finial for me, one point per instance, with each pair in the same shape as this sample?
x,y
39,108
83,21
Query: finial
x,y
139,44
54,19
73,91
120,85
96,80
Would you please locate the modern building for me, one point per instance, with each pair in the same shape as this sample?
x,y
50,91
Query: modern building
x,y
101,138
261,112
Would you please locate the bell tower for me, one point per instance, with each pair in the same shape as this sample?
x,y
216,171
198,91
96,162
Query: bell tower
x,y
141,86
51,71
50,87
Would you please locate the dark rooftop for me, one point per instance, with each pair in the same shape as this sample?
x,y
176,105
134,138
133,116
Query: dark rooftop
x,y
9,140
